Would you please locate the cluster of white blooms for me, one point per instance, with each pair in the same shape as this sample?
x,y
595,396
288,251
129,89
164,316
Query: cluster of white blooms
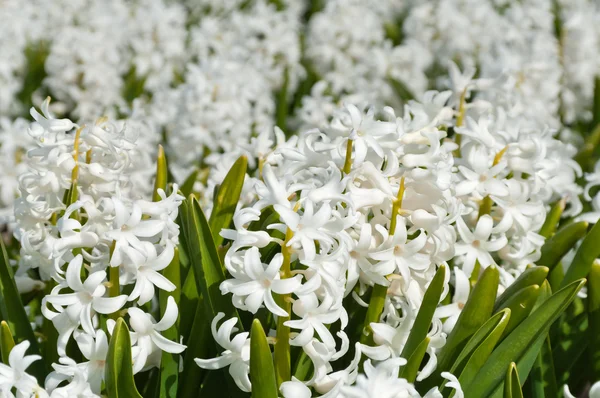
x,y
89,47
15,144
346,44
240,59
384,140
375,198
79,220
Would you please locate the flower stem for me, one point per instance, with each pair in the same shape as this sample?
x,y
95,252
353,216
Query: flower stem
x,y
114,289
379,292
348,161
396,206
283,369
486,203
75,171
460,121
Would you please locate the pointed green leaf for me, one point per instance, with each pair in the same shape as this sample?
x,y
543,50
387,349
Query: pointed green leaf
x,y
553,218
262,371
187,188
522,345
281,111
200,345
571,338
207,265
118,372
557,246
520,305
169,364
188,305
531,276
422,323
512,385
413,364
209,274
588,251
541,382
227,199
479,347
545,294
475,313
6,341
13,312
162,172
594,318
556,276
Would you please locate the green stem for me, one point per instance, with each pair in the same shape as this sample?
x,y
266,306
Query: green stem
x,y
114,289
379,292
348,161
283,369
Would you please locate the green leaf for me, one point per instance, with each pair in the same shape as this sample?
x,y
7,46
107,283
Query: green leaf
x,y
282,101
522,345
556,276
557,246
206,263
596,104
262,371
520,305
34,71
187,188
162,173
422,323
208,273
475,313
133,85
202,347
6,341
118,371
169,364
13,312
512,385
479,347
588,251
188,305
594,318
70,195
531,276
541,381
585,156
570,340
553,218
410,370
303,367
401,90
227,199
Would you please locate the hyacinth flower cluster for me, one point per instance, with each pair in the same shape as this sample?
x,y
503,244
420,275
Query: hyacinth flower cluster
x,y
361,199
358,219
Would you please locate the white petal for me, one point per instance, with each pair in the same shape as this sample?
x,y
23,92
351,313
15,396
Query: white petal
x,y
170,316
167,345
108,305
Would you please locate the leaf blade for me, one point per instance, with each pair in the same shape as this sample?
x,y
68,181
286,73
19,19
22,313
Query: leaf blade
x,y
522,345
227,199
118,369
262,371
